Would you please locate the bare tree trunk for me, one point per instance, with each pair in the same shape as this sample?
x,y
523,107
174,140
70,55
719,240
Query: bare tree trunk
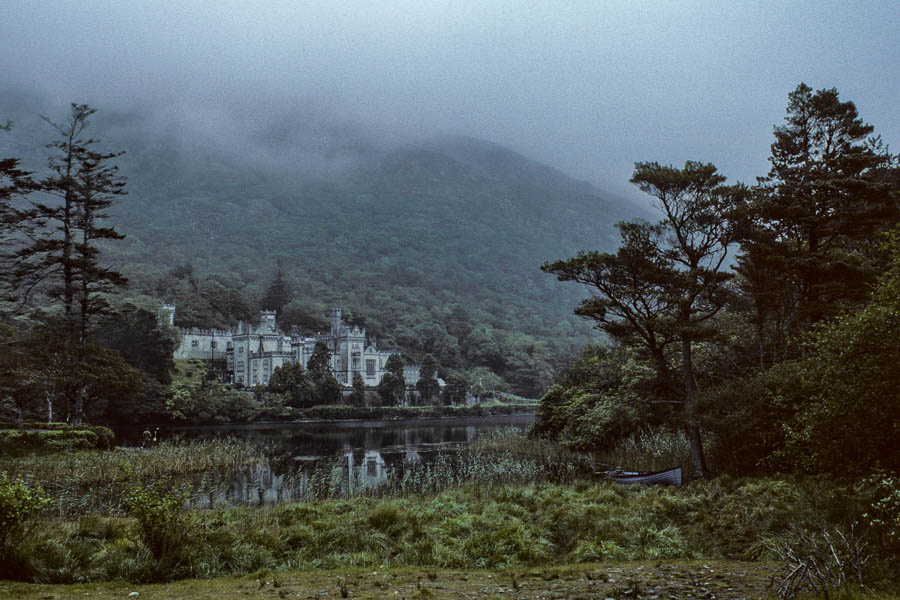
x,y
691,424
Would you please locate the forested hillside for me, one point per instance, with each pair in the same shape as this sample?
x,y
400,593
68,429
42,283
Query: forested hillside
x,y
433,246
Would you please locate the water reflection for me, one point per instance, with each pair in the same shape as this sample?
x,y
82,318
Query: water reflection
x,y
339,460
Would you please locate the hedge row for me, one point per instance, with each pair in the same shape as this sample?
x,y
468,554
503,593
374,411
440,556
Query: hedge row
x,y
55,439
341,411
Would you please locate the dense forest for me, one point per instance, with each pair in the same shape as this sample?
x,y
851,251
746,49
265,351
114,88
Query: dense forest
x,y
759,320
431,246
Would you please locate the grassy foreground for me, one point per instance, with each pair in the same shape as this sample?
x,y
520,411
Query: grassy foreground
x,y
548,528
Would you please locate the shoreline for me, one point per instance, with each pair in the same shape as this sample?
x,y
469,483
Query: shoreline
x,y
387,418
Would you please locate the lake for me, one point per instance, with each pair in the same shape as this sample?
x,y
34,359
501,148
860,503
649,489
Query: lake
x,y
343,458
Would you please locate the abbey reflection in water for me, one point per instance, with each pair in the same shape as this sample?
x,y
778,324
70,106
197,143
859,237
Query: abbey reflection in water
x,y
310,461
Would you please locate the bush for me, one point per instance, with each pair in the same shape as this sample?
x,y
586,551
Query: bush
x,y
881,492
20,505
55,437
161,525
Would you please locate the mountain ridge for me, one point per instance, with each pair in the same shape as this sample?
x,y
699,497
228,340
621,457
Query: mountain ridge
x,y
401,238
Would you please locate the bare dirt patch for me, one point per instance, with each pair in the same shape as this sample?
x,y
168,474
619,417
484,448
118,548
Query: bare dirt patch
x,y
650,581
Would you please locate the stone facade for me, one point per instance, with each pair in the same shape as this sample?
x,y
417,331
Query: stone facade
x,y
252,352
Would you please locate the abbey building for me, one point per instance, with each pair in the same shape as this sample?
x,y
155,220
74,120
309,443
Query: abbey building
x,y
248,354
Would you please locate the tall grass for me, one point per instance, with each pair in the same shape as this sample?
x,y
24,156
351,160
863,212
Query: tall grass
x,y
650,450
503,501
89,480
226,471
508,525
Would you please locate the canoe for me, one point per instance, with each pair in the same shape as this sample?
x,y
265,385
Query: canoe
x,y
666,477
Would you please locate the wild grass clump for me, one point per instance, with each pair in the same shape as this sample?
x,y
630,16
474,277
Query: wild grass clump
x,y
20,506
85,481
161,526
649,450
467,527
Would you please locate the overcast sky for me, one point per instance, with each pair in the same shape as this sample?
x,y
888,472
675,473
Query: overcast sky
x,y
588,87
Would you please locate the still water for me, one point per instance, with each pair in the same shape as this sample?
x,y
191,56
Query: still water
x,y
342,459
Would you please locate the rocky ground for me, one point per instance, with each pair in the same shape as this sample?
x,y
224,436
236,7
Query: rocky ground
x,y
649,581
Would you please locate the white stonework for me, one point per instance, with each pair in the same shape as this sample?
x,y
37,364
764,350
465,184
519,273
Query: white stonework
x,y
252,352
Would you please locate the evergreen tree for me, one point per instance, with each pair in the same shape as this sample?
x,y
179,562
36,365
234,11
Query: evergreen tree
x,y
666,283
455,390
136,334
279,294
62,245
15,184
358,395
292,380
392,387
427,385
830,189
319,364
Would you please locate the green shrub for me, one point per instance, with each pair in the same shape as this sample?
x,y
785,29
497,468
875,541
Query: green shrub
x,y
55,437
20,505
162,527
881,492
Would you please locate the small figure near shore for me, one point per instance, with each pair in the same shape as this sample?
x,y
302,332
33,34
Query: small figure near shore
x,y
148,439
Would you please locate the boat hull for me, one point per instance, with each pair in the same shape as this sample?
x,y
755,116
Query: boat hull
x,y
666,477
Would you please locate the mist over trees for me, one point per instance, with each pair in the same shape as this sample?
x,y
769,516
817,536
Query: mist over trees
x,y
779,362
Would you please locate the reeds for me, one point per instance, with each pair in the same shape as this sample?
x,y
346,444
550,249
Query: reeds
x,y
226,471
88,480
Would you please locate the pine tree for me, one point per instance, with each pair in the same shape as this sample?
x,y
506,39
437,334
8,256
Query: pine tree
x,y
279,293
666,282
427,385
15,184
830,190
358,395
61,245
392,387
319,365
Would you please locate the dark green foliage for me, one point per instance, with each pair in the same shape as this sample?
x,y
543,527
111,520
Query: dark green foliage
x,y
278,294
318,366
329,391
455,390
15,442
830,190
427,385
789,366
358,395
598,401
20,505
59,257
292,381
845,416
161,526
53,375
139,338
210,401
82,185
15,185
392,387
666,281
214,301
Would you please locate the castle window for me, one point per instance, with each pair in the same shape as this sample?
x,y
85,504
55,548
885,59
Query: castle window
x,y
240,349
212,344
195,344
370,367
